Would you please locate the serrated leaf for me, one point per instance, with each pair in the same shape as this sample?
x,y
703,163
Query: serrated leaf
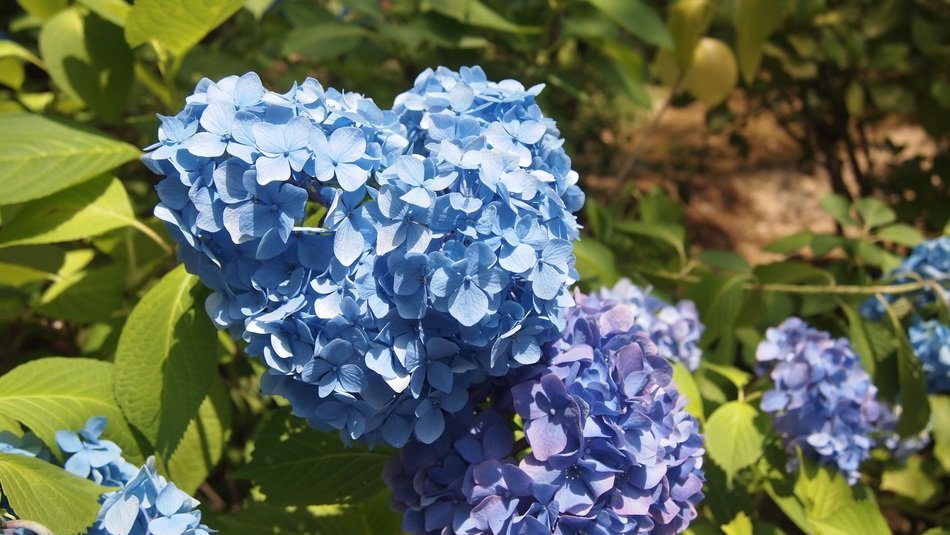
x,y
689,389
178,25
833,506
53,156
595,262
901,234
732,439
83,211
289,456
202,447
85,297
165,360
87,57
638,19
45,493
54,393
874,213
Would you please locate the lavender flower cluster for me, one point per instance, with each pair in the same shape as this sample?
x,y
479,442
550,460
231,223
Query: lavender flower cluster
x,y
145,502
610,447
928,261
823,400
379,262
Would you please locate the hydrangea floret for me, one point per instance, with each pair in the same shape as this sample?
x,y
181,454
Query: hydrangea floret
x,y
928,261
145,502
931,342
607,446
822,400
379,262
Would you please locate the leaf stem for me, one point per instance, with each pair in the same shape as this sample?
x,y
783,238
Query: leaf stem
x,y
145,229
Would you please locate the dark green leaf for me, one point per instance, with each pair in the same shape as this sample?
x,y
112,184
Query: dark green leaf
x,y
725,260
88,58
669,233
839,208
85,297
754,21
719,300
52,155
791,243
289,456
638,19
201,448
595,262
165,360
913,384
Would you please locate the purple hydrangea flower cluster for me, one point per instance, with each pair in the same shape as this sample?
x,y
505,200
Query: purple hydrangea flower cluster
x,y
931,343
928,261
145,502
379,262
607,447
675,329
823,400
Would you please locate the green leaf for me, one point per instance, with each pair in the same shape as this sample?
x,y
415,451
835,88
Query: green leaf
x,y
669,233
52,155
687,21
913,384
874,213
732,439
740,525
83,211
289,456
56,393
719,300
911,480
87,57
835,508
839,208
475,13
725,260
258,7
177,25
638,19
85,297
114,11
941,429
791,271
754,21
12,73
627,64
595,262
791,243
689,389
734,375
12,49
23,265
202,446
165,360
324,41
43,9
47,494
901,234
860,339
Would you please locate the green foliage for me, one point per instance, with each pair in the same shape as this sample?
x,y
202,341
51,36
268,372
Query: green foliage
x,y
733,439
38,490
176,25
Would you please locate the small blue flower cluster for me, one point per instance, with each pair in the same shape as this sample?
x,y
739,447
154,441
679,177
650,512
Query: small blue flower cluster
x,y
931,343
928,261
444,255
823,400
675,330
144,504
612,449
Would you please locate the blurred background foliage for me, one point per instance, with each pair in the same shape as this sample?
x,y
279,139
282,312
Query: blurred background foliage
x,y
79,248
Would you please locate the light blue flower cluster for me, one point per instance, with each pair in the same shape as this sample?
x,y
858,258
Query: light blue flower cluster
x,y
928,261
675,329
823,401
931,343
612,449
379,262
145,504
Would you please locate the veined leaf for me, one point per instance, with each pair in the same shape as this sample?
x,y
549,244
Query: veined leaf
x,y
165,360
177,25
47,494
289,456
114,11
732,439
835,508
39,157
82,211
55,393
201,448
85,297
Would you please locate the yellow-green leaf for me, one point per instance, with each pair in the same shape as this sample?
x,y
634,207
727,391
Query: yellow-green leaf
x,y
176,25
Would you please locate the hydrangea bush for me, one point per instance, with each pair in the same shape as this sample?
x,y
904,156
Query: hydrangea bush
x,y
144,502
379,262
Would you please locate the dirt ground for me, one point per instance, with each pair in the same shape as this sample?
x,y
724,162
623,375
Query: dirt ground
x,y
743,203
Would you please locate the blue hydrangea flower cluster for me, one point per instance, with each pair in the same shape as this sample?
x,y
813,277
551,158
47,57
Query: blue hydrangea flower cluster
x,y
675,329
823,400
610,447
928,261
145,502
378,262
931,343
